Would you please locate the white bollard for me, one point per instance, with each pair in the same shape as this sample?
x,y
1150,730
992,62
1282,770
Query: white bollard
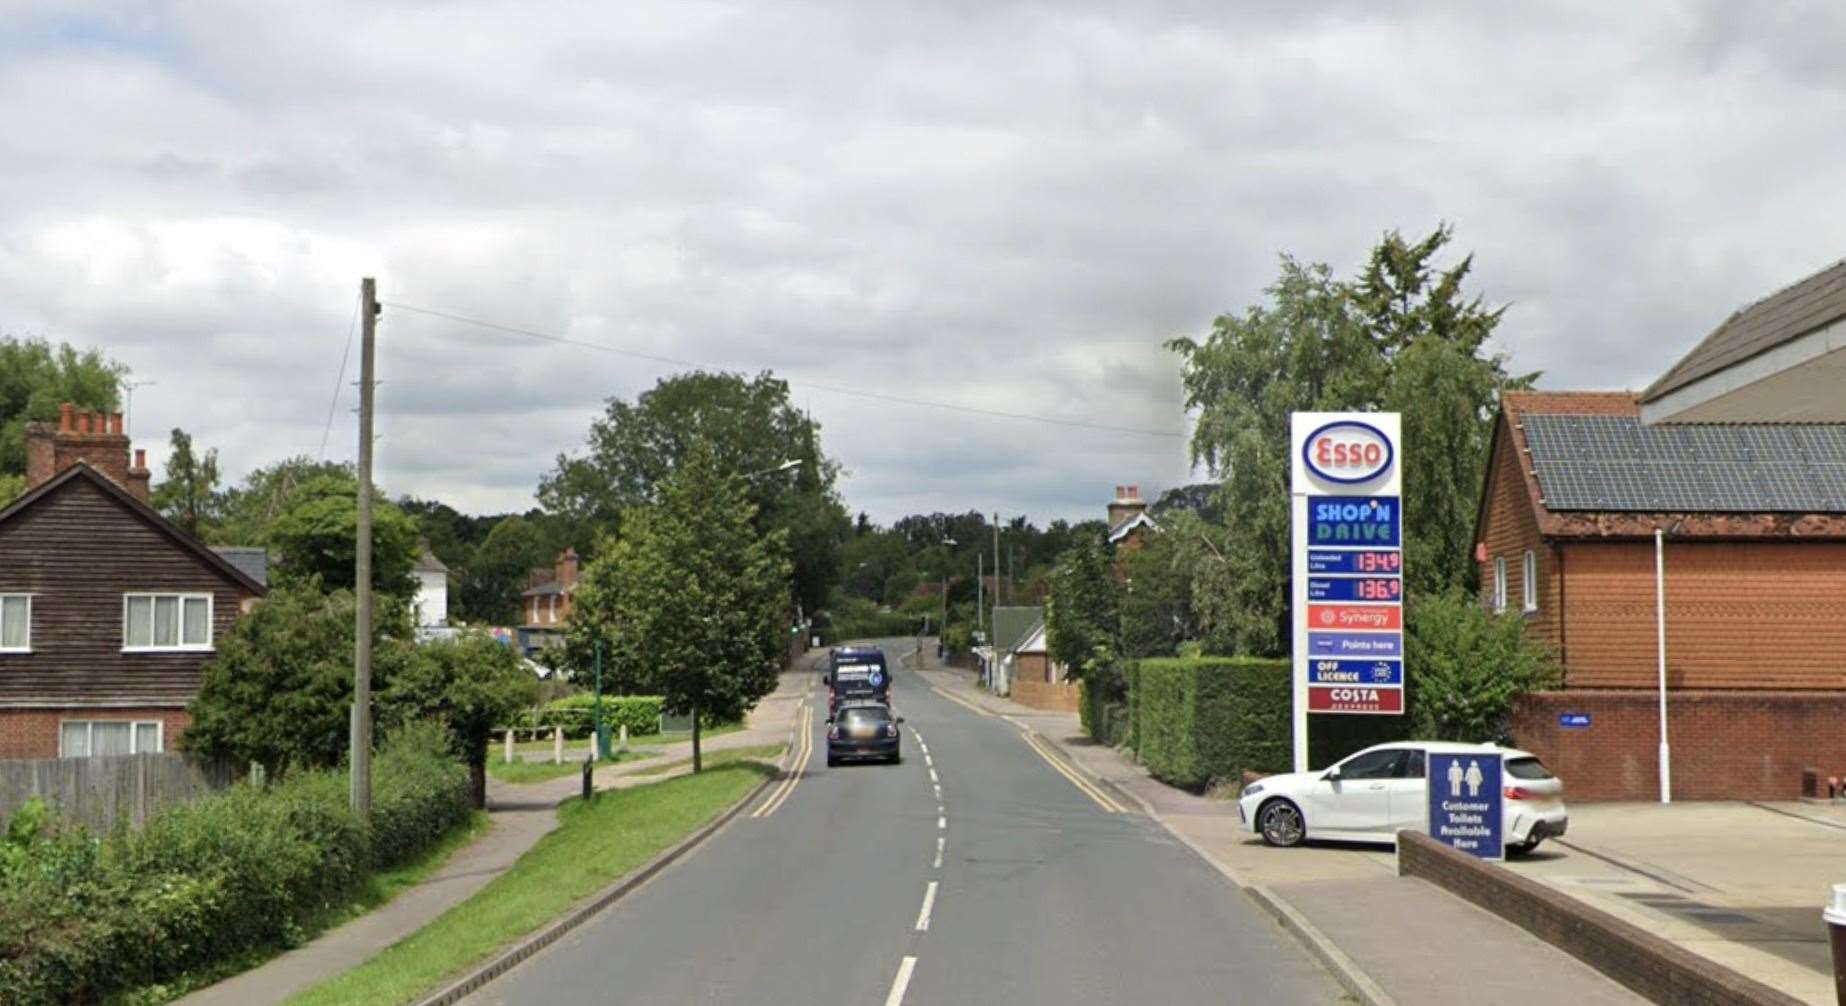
x,y
557,745
509,745
622,744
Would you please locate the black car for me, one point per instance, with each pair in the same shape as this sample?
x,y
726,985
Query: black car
x,y
863,731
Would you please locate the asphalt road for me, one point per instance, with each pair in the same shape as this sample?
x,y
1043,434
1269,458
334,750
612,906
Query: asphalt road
x,y
1037,893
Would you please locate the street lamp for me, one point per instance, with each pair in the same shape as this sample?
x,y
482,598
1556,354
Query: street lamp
x,y
777,470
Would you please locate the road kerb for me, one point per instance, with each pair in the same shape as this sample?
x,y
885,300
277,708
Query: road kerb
x,y
1344,969
508,959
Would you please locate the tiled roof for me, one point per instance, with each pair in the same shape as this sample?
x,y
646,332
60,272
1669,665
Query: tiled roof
x,y
253,561
1757,328
1592,470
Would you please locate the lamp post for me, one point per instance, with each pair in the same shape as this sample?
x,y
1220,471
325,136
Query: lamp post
x,y
944,627
602,732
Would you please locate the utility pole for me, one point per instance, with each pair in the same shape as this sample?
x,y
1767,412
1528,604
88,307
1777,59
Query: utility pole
x,y
996,557
602,735
362,572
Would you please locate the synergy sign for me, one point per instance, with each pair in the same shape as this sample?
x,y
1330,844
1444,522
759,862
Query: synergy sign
x,y
1347,508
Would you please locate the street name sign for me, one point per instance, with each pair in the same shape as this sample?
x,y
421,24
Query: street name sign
x,y
1467,810
1347,536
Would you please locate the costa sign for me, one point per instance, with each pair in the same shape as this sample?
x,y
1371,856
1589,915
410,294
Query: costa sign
x,y
1348,452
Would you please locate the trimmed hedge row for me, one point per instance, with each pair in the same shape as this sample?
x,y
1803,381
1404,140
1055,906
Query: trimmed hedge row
x,y
1201,719
1103,707
577,714
84,919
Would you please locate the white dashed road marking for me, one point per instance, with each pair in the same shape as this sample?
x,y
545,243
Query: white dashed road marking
x,y
901,982
929,903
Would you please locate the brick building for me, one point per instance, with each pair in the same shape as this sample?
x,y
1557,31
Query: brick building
x,y
108,612
1755,580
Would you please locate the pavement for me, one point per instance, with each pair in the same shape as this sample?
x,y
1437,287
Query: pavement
x,y
981,869
520,815
1396,937
1740,883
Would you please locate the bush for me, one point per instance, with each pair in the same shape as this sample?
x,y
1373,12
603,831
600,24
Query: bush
x,y
1468,665
577,714
1103,705
83,919
1208,718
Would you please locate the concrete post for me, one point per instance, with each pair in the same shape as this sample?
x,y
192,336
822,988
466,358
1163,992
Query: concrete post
x,y
622,745
557,745
509,746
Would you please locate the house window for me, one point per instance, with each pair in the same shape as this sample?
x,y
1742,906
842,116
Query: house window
x,y
1528,577
166,621
15,623
1499,583
96,738
551,609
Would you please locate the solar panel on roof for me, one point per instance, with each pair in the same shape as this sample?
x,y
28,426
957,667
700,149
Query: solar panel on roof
x,y
1615,463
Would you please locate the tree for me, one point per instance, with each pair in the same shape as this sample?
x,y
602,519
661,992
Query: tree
x,y
249,511
495,574
1082,620
471,684
1156,592
279,689
316,534
750,426
11,486
189,496
688,603
36,378
1401,337
1466,665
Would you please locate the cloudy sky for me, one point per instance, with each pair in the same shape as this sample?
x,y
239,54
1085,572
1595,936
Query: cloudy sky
x,y
999,206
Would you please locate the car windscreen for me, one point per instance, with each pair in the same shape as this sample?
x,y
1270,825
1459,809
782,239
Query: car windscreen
x,y
1526,768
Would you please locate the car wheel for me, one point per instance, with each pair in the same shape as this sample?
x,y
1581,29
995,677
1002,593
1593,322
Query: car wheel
x,y
832,762
1523,849
1280,824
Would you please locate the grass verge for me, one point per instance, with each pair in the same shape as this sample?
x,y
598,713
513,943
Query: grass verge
x,y
519,772
378,889
718,759
684,736
593,845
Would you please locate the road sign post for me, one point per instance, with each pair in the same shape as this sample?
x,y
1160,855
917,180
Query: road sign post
x,y
1346,510
1467,810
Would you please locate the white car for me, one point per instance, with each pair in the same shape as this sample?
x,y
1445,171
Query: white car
x,y
1374,794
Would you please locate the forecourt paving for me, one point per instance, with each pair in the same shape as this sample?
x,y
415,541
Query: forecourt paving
x,y
1043,895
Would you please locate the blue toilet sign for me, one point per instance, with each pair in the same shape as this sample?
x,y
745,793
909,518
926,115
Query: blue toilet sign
x,y
1467,809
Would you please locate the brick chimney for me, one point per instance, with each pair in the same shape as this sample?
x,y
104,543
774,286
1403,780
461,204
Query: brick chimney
x,y
567,569
1127,504
95,438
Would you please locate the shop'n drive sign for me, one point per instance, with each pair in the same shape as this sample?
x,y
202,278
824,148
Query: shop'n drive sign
x,y
1347,508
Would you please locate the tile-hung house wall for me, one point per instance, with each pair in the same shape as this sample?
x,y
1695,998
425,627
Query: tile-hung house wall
x,y
1755,561
108,613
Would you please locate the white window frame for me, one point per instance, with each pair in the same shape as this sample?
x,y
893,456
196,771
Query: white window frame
x,y
1499,583
1528,577
182,597
134,732
28,647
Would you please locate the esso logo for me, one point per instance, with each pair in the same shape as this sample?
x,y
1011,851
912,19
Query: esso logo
x,y
1348,452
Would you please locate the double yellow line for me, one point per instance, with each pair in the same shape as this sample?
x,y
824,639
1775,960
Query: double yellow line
x,y
1087,788
804,750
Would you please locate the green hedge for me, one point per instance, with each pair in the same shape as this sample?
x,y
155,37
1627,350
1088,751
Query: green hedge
x,y
1197,720
84,919
1103,707
576,714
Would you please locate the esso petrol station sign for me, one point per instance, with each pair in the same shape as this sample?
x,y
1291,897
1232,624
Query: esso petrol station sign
x,y
1348,452
1346,501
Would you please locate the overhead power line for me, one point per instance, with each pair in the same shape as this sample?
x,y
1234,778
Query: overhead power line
x,y
811,385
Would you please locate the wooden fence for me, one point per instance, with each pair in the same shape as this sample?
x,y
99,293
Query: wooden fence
x,y
98,792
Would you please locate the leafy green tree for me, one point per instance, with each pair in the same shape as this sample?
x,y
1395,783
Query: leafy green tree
x,y
316,534
471,684
495,574
189,496
249,510
750,426
1082,617
1401,337
37,377
689,601
11,486
1465,667
1156,591
279,689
